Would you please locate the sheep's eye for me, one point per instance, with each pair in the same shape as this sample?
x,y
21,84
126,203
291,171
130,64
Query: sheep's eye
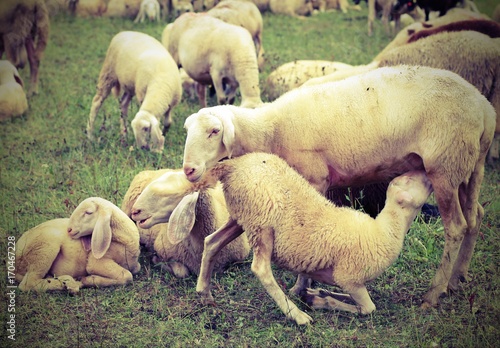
x,y
214,131
88,213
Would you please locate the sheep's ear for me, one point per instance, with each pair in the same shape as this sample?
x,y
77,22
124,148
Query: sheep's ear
x,y
101,237
182,219
228,134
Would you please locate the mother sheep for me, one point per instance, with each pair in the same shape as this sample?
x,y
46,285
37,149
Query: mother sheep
x,y
365,129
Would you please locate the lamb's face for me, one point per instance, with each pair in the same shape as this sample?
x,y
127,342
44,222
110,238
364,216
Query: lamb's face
x,y
83,219
209,139
150,10
147,132
159,199
410,190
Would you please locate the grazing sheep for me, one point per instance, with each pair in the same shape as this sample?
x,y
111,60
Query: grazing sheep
x,y
244,14
24,32
365,129
13,100
294,8
139,65
293,74
98,245
216,53
162,201
337,246
149,9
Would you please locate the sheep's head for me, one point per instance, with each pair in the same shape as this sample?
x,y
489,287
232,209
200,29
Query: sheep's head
x,y
210,138
159,199
92,217
147,132
410,190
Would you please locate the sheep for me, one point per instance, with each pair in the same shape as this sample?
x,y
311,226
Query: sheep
x,y
380,124
90,8
181,6
245,14
332,5
98,245
161,201
139,65
13,100
338,246
149,9
24,31
453,15
262,5
294,8
293,74
484,26
216,53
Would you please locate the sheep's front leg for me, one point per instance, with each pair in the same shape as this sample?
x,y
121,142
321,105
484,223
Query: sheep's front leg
x,y
167,121
32,281
213,244
261,267
105,272
124,103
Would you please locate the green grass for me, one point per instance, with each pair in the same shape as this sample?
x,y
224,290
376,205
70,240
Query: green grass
x,y
48,167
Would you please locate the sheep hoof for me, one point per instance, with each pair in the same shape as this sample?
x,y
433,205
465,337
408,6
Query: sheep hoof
x,y
206,299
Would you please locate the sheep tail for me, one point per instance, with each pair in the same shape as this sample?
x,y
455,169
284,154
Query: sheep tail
x,y
42,25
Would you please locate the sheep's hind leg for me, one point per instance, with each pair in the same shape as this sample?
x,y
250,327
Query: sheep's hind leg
x,y
105,272
213,244
261,267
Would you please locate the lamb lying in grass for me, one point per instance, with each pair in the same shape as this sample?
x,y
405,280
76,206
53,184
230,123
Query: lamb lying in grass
x,y
289,222
97,246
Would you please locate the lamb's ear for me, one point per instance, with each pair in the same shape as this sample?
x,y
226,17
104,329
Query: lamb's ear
x,y
228,134
101,237
182,219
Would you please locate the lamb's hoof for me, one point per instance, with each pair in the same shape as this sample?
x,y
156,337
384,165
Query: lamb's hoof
x,y
311,296
206,299
302,318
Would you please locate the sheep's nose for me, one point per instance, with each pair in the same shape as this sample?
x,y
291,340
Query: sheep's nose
x,y
136,212
189,170
70,229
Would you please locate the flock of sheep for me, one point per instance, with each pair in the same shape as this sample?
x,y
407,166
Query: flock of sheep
x,y
248,169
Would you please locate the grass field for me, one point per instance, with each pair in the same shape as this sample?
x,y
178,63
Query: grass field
x,y
48,167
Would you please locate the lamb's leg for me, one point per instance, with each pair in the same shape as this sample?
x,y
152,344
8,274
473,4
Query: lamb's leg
x,y
105,272
371,16
213,244
167,121
454,225
321,299
33,281
303,282
261,267
473,212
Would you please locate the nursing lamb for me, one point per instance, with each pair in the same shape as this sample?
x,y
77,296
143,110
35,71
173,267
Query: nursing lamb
x,y
365,129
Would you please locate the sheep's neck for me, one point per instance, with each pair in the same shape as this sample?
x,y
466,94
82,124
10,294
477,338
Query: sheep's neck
x,y
255,131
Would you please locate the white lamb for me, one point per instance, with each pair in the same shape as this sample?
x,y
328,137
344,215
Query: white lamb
x,y
13,100
365,129
149,9
244,14
181,6
97,246
292,224
293,74
215,53
161,201
138,64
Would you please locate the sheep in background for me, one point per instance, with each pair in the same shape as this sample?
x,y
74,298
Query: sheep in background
x,y
403,118
453,15
244,14
138,64
216,53
294,8
149,9
337,246
262,5
180,7
161,201
98,245
24,32
293,74
13,100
